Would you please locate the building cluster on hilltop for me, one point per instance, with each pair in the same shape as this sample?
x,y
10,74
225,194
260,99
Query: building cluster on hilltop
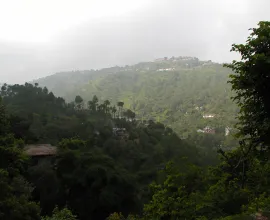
x,y
174,59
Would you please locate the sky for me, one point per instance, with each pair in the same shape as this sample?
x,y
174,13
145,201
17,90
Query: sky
x,y
41,37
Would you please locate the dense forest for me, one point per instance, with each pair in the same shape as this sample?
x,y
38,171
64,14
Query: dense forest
x,y
128,144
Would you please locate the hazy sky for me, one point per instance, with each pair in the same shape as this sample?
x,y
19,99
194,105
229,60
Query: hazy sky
x,y
41,37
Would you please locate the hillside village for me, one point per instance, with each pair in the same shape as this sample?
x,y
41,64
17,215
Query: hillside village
x,y
168,64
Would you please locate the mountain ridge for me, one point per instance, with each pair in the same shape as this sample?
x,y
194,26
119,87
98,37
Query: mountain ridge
x,y
167,90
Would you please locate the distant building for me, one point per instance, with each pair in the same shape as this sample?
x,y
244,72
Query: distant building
x,y
159,60
121,133
36,150
160,70
227,131
208,116
207,130
41,153
168,69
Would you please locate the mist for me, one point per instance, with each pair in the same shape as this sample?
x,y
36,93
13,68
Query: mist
x,y
143,32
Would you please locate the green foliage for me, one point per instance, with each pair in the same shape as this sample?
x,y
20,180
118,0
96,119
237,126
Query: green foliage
x,y
63,214
116,216
106,171
15,191
4,124
250,82
93,179
176,197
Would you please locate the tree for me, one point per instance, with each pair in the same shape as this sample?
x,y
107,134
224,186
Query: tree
x,y
92,105
4,89
15,191
63,214
45,90
114,110
95,180
129,114
79,102
176,197
4,124
106,103
95,100
251,82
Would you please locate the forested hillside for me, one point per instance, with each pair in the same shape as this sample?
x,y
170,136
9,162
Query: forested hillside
x,y
95,159
176,91
104,158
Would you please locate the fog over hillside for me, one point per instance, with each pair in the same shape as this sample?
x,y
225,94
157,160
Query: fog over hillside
x,y
63,36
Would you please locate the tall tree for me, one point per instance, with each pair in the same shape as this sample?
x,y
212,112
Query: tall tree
x,y
251,83
114,110
106,103
79,102
93,104
3,119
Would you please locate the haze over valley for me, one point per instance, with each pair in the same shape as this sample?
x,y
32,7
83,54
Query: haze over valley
x,y
134,110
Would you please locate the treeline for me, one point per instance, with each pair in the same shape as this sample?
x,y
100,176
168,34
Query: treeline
x,y
94,165
36,115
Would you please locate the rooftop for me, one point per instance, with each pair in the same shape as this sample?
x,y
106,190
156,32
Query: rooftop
x,y
40,150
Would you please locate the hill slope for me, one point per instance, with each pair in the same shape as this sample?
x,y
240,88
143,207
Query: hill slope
x,y
181,92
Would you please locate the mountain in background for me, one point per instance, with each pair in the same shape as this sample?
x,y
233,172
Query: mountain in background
x,y
184,93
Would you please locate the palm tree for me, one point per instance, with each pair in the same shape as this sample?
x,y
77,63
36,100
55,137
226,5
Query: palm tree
x,y
95,102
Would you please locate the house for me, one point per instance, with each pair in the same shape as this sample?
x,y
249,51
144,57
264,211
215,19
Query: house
x,y
159,70
121,133
209,130
227,131
168,69
40,153
37,150
208,116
